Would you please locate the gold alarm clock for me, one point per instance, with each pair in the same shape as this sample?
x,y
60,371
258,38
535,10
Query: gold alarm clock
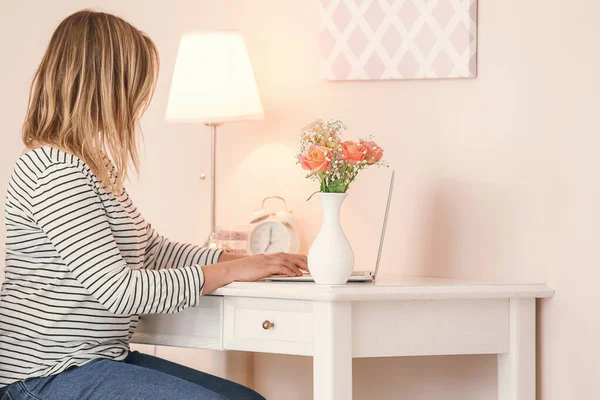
x,y
272,232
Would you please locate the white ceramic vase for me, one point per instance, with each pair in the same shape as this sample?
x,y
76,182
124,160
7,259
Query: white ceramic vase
x,y
330,258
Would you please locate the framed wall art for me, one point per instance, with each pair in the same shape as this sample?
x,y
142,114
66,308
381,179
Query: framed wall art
x,y
398,39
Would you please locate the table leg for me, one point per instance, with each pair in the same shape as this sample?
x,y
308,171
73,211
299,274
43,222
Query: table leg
x,y
516,369
332,351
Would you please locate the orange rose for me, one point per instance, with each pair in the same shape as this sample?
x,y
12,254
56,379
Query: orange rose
x,y
353,152
317,159
374,152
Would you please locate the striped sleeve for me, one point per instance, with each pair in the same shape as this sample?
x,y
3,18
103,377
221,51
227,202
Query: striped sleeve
x,y
66,206
164,253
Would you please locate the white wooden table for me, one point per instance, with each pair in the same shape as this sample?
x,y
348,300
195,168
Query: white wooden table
x,y
404,316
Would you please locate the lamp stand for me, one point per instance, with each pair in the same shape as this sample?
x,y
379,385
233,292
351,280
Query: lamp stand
x,y
211,241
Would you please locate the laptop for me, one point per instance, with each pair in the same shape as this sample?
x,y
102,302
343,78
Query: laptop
x,y
357,276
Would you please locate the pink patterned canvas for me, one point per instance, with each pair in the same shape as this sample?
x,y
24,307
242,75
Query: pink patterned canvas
x,y
398,39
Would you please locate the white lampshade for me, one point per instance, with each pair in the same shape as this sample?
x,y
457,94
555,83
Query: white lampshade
x,y
213,80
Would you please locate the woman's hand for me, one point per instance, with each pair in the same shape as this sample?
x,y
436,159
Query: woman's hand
x,y
253,268
263,265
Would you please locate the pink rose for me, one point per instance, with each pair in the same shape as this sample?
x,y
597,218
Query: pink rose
x,y
353,152
374,152
317,159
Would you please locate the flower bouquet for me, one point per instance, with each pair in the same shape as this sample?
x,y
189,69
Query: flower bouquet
x,y
334,163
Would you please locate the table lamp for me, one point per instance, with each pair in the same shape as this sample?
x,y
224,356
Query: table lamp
x,y
213,83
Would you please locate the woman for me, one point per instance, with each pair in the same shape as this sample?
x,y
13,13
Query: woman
x,y
81,262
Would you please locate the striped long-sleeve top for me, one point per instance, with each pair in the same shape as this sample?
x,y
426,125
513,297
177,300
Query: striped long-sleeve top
x,y
81,265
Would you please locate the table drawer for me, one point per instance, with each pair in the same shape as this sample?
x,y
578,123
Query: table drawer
x,y
198,327
247,325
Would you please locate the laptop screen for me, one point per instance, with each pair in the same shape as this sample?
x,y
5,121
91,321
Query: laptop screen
x,y
385,218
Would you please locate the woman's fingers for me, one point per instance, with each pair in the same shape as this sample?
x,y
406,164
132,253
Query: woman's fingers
x,y
300,261
280,269
282,259
286,264
289,268
296,259
290,265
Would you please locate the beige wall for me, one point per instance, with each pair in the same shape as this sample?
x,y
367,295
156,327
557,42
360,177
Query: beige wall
x,y
497,177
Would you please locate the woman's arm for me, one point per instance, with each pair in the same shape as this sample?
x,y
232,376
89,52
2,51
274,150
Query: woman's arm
x,y
163,253
230,267
226,256
233,267
67,208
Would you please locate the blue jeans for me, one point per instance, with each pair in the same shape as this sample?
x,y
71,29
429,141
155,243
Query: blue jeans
x,y
138,377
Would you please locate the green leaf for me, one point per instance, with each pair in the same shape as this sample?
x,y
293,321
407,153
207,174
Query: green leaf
x,y
337,186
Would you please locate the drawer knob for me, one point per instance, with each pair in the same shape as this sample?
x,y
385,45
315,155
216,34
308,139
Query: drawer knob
x,y
267,325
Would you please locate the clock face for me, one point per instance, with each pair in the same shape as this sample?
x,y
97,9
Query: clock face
x,y
270,237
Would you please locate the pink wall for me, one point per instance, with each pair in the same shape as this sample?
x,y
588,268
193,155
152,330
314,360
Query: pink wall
x,y
497,177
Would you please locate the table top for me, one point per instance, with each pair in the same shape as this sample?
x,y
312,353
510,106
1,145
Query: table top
x,y
388,288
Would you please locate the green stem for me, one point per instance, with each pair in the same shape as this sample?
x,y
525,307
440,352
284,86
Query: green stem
x,y
310,197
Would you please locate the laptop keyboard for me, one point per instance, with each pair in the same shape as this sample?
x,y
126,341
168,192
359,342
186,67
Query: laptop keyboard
x,y
354,273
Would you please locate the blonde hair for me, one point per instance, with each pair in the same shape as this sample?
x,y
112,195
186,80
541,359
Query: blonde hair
x,y
94,82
